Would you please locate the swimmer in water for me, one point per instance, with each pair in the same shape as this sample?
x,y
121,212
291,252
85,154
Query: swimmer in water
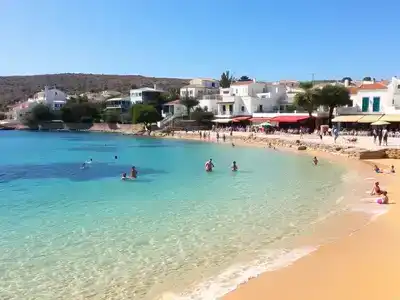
x,y
315,160
234,167
133,172
123,176
115,157
233,145
83,166
392,170
209,165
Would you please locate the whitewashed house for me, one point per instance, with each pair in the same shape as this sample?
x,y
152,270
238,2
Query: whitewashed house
x,y
144,95
52,97
173,108
372,101
200,87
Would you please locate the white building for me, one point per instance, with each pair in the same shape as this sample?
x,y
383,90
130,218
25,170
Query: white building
x,y
53,97
173,108
118,103
244,98
200,87
144,95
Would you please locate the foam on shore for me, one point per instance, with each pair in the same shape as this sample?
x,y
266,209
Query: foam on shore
x,y
230,279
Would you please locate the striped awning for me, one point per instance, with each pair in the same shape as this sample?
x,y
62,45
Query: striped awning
x,y
369,119
390,118
347,119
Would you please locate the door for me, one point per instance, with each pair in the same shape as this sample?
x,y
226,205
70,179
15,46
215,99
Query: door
x,y
365,104
376,104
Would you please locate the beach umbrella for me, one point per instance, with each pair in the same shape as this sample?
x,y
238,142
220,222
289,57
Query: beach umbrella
x,y
265,124
380,123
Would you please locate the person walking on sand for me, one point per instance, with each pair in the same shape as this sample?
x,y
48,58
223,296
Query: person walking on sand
x,y
374,134
385,136
380,137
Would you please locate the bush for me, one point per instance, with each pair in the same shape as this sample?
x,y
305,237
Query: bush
x,y
147,114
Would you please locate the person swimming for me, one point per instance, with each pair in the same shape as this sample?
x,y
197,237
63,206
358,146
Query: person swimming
x,y
123,176
134,172
392,170
315,160
376,190
115,157
209,165
234,167
233,145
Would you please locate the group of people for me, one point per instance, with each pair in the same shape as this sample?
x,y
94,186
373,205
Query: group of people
x,y
376,190
381,135
132,176
209,165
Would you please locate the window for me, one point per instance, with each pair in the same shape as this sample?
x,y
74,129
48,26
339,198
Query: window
x,y
242,109
398,86
230,108
140,94
191,92
393,101
260,107
365,104
225,92
376,104
237,91
264,90
223,108
205,108
213,84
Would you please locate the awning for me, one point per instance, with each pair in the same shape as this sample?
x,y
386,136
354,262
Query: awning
x,y
239,119
390,118
369,119
221,120
288,119
347,119
259,120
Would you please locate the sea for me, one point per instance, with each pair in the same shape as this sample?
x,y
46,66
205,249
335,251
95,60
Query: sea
x,y
176,232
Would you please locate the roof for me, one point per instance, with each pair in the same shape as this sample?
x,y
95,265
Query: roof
x,y
193,86
177,101
288,119
119,99
353,90
147,89
373,86
242,82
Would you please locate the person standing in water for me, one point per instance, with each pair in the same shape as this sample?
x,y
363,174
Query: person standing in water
x,y
209,165
234,167
315,160
134,172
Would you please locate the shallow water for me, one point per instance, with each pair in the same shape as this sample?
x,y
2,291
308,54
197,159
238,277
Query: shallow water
x,y
69,233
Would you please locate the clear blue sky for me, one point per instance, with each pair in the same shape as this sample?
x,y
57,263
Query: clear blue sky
x,y
187,38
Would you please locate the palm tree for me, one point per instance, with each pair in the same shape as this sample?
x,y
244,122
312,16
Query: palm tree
x,y
308,98
333,96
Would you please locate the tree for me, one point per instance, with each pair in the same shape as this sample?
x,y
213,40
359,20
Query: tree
x,y
2,116
347,78
189,103
78,99
226,80
368,78
79,112
244,78
146,114
112,116
41,113
308,98
333,96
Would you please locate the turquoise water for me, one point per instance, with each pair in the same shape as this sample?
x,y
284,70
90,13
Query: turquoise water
x,y
68,233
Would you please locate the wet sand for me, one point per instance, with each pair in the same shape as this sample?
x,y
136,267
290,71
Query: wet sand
x,y
363,265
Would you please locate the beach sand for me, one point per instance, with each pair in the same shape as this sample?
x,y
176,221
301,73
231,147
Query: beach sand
x,y
364,265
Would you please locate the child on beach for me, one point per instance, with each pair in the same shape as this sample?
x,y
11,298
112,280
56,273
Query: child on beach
x,y
384,199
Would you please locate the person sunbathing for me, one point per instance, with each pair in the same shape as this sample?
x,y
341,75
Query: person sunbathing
x,y
376,169
376,190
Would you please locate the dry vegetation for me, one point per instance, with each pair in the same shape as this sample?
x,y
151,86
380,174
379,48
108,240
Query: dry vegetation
x,y
18,88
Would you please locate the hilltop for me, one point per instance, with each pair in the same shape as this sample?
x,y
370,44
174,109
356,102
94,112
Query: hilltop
x,y
18,88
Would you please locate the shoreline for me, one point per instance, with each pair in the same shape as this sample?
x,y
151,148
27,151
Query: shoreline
x,y
361,265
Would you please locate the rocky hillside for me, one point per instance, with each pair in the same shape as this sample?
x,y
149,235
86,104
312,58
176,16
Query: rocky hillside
x,y
18,88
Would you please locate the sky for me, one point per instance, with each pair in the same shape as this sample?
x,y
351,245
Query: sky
x,y
266,40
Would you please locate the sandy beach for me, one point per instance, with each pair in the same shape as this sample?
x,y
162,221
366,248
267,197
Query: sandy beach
x,y
364,265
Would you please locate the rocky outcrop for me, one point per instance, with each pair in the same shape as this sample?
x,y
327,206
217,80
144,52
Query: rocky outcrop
x,y
302,147
393,153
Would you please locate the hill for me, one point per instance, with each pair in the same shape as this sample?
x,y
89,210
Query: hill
x,y
19,88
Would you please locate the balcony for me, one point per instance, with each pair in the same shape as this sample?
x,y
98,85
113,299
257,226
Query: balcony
x,y
211,97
